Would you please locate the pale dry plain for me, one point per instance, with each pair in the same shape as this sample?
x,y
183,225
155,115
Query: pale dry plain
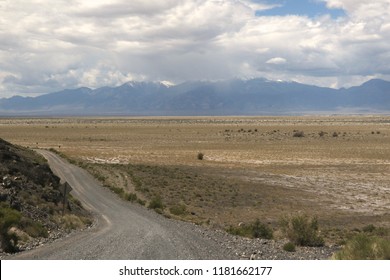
x,y
253,167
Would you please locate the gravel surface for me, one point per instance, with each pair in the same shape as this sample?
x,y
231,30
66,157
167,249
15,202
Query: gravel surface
x,y
263,249
127,231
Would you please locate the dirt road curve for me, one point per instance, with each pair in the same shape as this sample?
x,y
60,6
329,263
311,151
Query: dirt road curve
x,y
123,230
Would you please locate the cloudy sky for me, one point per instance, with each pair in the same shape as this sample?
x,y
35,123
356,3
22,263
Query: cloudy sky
x,y
49,45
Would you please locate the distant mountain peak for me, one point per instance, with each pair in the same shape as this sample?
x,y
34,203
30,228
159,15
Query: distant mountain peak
x,y
167,84
376,82
258,96
136,84
132,84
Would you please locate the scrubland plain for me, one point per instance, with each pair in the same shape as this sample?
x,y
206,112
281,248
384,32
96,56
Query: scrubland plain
x,y
335,167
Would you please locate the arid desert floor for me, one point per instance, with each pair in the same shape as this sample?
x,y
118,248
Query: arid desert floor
x,y
336,168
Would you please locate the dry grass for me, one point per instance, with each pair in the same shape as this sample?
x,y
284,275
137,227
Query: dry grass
x,y
252,167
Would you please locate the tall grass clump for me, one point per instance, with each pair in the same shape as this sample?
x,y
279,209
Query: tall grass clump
x,y
71,222
365,247
33,228
253,230
302,230
178,210
156,204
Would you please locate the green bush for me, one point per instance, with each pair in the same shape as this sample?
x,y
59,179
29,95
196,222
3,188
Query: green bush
x,y
289,247
261,230
254,230
178,210
156,203
364,247
8,218
117,190
131,197
302,230
32,228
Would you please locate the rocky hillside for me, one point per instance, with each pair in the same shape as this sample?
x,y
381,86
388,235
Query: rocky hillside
x,y
31,203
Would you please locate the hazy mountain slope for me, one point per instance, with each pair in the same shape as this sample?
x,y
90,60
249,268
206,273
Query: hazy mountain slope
x,y
231,97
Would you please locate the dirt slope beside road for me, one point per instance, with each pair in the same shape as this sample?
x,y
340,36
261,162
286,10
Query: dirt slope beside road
x,y
123,230
32,208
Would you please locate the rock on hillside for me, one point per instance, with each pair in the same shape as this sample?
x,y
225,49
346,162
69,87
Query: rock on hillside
x,y
31,202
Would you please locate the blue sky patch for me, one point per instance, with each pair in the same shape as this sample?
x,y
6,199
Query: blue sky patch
x,y
310,8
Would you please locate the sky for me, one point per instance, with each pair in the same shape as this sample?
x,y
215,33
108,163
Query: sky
x,y
50,45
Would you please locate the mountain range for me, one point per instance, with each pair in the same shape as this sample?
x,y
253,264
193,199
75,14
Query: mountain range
x,y
230,97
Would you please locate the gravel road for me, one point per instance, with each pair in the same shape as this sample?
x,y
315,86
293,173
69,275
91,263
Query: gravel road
x,y
122,230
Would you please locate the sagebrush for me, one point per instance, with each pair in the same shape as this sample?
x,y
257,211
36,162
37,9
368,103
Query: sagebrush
x,y
302,230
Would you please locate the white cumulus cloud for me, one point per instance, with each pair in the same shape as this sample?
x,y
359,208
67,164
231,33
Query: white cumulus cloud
x,y
277,60
51,45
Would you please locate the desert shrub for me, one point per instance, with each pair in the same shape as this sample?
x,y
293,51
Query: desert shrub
x,y
156,203
131,197
71,222
364,247
141,202
241,231
261,230
178,210
124,195
8,218
321,133
289,247
299,134
118,191
335,134
33,228
200,156
302,230
48,207
253,230
369,228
